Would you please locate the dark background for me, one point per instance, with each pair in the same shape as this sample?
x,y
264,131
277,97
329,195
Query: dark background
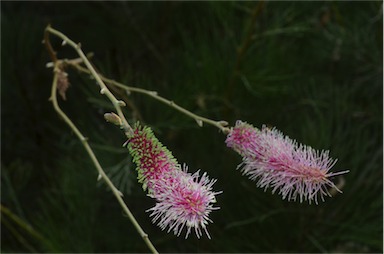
x,y
312,69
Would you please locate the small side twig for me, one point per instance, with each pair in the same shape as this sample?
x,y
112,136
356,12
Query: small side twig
x,y
221,125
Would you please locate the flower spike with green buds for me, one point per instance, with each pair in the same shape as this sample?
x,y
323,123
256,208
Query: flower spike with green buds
x,y
183,200
150,156
280,163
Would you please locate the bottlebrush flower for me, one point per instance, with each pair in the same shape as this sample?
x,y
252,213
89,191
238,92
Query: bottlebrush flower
x,y
282,164
182,199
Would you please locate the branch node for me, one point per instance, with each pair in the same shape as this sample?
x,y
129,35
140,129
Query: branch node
x,y
199,122
125,143
64,43
121,103
99,177
113,118
90,55
49,65
226,130
103,90
223,123
119,192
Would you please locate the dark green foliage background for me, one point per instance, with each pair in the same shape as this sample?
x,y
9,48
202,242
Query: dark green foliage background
x,y
312,69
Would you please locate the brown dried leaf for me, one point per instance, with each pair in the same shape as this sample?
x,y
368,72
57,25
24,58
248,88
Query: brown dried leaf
x,y
62,83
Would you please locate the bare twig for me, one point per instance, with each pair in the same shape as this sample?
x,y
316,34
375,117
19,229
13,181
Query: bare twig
x,y
199,119
83,139
103,88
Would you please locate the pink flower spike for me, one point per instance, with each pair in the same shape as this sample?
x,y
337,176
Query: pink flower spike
x,y
182,199
185,201
277,162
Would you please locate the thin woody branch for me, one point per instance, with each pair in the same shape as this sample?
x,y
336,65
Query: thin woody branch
x,y
53,98
103,88
221,125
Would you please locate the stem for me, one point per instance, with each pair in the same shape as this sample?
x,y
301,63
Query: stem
x,y
104,89
242,49
48,45
100,170
18,236
21,223
199,119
